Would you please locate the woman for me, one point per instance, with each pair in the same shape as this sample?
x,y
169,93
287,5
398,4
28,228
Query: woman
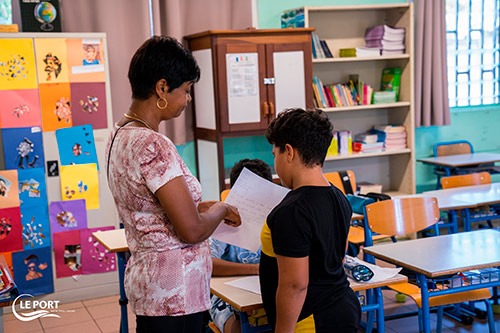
x,y
158,199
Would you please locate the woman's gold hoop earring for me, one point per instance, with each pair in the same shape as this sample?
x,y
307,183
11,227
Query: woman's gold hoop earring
x,y
160,101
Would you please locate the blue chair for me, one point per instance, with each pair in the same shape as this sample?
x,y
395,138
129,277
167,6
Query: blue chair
x,y
455,148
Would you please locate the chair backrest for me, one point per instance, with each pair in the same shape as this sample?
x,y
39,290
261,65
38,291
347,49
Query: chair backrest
x,y
401,216
335,178
224,194
453,148
466,180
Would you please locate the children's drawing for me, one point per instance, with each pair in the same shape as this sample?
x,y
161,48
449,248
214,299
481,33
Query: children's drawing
x,y
10,230
32,187
14,68
9,195
36,230
63,110
33,271
20,108
5,227
90,105
17,64
76,146
4,186
95,257
25,154
72,256
67,251
90,54
23,148
67,215
53,66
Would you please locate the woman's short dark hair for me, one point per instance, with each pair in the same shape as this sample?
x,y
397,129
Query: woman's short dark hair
x,y
257,166
310,132
161,57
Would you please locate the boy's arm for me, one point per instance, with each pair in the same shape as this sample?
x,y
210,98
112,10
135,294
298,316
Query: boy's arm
x,y
291,293
223,267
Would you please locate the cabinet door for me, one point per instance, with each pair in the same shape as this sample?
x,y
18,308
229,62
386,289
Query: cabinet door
x,y
288,66
241,98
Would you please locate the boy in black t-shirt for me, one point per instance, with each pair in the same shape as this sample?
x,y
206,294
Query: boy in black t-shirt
x,y
304,240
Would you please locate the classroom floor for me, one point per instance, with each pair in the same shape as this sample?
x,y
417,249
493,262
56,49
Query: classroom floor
x,y
102,315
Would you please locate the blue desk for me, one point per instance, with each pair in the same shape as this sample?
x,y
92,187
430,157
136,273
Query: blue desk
x,y
458,253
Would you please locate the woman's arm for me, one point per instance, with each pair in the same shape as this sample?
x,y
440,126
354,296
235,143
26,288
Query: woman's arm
x,y
192,226
291,293
223,267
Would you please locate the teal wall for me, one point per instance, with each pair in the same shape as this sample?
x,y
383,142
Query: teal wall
x,y
478,125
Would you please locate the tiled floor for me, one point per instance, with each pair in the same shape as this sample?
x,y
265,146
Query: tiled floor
x,y
102,315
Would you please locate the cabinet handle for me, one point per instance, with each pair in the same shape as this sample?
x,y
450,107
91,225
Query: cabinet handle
x,y
265,108
271,108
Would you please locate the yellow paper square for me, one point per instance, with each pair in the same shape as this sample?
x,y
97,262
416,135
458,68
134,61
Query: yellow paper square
x,y
80,182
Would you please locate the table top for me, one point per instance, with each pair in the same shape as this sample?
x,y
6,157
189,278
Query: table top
x,y
474,195
461,160
445,202
112,240
243,300
443,255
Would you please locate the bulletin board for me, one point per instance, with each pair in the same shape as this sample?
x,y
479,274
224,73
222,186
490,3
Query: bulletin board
x,y
55,119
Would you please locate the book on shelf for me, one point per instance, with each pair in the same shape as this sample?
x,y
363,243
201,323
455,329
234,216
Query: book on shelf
x,y
366,137
391,128
385,31
363,52
384,97
391,80
345,142
361,147
363,187
326,49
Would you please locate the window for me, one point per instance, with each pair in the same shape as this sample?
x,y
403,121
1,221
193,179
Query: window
x,y
473,42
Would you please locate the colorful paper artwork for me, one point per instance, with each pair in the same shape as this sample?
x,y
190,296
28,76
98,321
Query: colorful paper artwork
x,y
33,271
67,252
8,259
95,257
17,64
88,102
76,145
51,60
32,187
86,60
23,148
36,229
80,182
55,100
10,229
9,194
20,108
67,215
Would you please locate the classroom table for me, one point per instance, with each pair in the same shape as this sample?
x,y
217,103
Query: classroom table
x,y
115,241
468,197
458,253
243,300
461,160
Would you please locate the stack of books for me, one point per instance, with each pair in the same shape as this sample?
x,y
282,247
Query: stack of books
x,y
395,136
320,48
389,40
367,143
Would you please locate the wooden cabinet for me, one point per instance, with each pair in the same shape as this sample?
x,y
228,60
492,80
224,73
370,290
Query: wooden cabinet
x,y
344,27
247,78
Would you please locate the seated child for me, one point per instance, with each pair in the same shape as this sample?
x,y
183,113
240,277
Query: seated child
x,y
230,260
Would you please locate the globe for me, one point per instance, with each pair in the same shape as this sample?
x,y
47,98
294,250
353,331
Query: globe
x,y
45,13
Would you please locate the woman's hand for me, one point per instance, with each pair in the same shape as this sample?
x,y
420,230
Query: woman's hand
x,y
232,217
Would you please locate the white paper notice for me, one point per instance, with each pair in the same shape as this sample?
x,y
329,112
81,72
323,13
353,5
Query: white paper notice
x,y
249,283
254,197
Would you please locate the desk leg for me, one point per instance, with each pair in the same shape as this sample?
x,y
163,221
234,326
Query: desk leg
x,y
467,222
426,320
122,261
380,311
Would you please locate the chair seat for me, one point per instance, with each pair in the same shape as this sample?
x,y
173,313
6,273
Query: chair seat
x,y
413,291
357,235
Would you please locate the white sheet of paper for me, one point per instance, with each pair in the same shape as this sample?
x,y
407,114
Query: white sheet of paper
x,y
254,197
249,283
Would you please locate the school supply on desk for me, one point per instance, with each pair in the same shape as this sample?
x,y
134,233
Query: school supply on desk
x,y
368,272
357,271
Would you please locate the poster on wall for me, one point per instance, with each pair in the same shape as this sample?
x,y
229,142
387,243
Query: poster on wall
x,y
36,227
67,215
67,253
17,64
10,229
76,145
32,187
80,182
33,271
9,194
40,16
95,257
20,108
23,148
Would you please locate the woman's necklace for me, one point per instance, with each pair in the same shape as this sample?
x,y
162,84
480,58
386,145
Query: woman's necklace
x,y
135,117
